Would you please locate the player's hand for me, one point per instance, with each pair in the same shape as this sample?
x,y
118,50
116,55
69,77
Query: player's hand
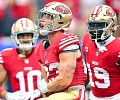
x,y
35,94
15,96
27,95
42,86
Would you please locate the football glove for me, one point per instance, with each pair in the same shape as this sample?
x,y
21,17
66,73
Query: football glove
x,y
35,94
42,86
15,96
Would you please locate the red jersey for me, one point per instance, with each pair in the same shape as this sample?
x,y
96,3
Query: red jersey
x,y
103,69
24,74
50,57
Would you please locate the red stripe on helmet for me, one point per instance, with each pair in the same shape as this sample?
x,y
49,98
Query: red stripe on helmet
x,y
96,11
21,23
26,23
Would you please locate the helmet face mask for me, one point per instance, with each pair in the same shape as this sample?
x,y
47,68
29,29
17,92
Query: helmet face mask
x,y
44,22
101,22
96,29
24,34
53,17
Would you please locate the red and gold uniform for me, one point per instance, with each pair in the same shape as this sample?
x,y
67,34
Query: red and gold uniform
x,y
24,74
49,56
103,67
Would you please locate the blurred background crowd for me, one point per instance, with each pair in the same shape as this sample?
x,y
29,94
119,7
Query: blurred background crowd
x,y
12,10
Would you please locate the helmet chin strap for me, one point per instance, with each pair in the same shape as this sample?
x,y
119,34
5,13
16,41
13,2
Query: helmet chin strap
x,y
24,48
106,33
101,48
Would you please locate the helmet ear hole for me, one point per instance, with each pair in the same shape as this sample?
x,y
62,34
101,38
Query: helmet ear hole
x,y
61,22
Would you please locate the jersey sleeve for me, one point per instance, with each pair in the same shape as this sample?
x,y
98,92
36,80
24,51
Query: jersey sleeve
x,y
4,54
69,43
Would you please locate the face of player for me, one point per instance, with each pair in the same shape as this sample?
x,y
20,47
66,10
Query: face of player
x,y
96,29
25,38
45,20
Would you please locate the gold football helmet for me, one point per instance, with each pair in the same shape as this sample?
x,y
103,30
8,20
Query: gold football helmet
x,y
101,22
58,17
24,26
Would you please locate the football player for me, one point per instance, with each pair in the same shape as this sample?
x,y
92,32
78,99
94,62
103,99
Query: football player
x,y
102,53
60,54
20,64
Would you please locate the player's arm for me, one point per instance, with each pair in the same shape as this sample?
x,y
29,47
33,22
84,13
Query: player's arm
x,y
3,74
66,71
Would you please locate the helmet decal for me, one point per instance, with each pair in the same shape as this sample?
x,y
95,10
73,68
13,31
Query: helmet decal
x,y
110,12
62,9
